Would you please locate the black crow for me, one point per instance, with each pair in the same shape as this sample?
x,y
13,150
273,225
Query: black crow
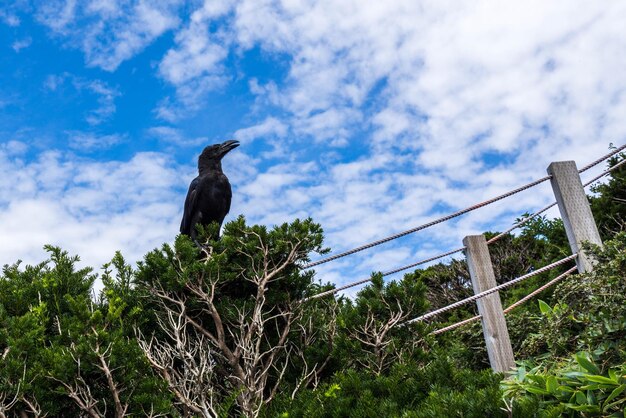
x,y
209,195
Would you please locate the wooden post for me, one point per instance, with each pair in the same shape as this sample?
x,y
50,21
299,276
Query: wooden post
x,y
490,307
575,211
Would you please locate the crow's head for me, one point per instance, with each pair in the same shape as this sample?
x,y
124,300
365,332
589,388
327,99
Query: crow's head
x,y
217,151
212,155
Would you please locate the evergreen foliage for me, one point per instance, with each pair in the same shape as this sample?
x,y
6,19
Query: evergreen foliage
x,y
60,346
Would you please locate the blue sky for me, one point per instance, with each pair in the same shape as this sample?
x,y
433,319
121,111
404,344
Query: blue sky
x,y
370,117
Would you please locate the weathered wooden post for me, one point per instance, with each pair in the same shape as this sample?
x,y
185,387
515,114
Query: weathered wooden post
x,y
490,307
575,211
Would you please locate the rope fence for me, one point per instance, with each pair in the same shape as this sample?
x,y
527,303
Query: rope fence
x,y
461,212
384,274
580,227
492,290
429,224
551,205
513,306
458,250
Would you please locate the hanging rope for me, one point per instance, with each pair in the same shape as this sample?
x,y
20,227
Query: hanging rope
x,y
541,289
605,172
520,223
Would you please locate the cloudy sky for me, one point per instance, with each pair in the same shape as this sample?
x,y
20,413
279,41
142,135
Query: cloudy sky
x,y
371,117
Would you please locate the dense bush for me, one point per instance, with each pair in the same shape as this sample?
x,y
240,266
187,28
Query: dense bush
x,y
578,354
60,347
441,388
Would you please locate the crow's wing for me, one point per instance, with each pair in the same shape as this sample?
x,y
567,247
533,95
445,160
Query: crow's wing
x,y
228,195
191,203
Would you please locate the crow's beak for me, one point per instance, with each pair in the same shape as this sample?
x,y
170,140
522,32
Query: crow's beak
x,y
228,146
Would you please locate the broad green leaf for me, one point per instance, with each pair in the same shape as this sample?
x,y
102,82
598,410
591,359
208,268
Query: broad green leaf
x,y
551,384
540,380
581,399
544,307
594,386
586,364
537,390
602,379
584,408
573,375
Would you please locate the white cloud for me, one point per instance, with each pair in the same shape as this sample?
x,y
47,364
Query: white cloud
x,y
21,44
109,33
9,18
88,208
103,94
195,66
447,84
105,97
89,141
176,137
270,127
14,148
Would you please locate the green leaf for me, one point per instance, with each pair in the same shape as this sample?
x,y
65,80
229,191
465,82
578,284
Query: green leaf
x,y
594,386
537,390
551,384
586,364
572,375
602,379
544,307
584,408
616,392
538,379
581,399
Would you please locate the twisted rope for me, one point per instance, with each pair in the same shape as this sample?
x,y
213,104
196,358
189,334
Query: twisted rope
x,y
539,212
605,172
429,224
520,223
456,325
492,290
541,289
454,215
513,306
490,241
424,261
387,273
605,157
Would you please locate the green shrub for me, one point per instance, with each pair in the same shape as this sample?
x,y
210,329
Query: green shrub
x,y
439,389
576,388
